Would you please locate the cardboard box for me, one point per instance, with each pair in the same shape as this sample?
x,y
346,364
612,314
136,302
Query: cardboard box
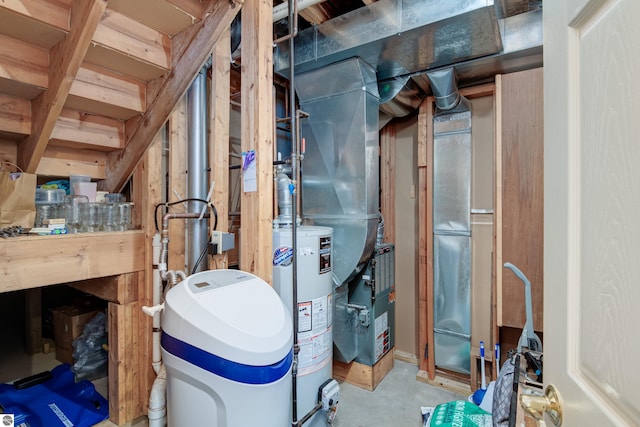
x,y
68,323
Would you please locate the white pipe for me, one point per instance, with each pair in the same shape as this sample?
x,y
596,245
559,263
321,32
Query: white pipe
x,y
158,400
156,360
282,10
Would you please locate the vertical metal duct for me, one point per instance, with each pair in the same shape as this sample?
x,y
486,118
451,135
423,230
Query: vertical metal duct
x,y
340,170
197,167
451,223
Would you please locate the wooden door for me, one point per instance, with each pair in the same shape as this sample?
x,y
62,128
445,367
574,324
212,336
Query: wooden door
x,y
592,209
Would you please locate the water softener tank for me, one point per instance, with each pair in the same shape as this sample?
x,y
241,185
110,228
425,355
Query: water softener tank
x,y
227,346
315,307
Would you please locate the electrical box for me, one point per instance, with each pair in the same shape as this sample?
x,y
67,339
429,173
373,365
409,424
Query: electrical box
x,y
222,242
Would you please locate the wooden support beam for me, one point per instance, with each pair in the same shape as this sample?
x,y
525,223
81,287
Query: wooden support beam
x,y
257,134
65,63
219,138
388,181
178,139
204,37
15,115
146,192
121,289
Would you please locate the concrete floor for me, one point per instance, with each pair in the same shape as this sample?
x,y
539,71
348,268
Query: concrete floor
x,y
395,402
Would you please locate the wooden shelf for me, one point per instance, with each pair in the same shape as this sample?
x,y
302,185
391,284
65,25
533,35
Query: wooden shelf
x,y
35,261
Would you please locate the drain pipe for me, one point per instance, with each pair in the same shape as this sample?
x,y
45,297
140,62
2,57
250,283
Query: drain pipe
x,y
157,397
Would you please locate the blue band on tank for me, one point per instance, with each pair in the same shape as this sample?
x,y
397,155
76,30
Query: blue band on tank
x,y
239,372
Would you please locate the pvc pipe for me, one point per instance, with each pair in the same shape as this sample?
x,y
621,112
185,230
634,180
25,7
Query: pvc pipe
x,y
158,400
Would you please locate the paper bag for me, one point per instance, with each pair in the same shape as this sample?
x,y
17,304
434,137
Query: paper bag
x,y
17,199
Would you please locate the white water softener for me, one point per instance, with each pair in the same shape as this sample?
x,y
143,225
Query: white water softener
x,y
227,346
315,308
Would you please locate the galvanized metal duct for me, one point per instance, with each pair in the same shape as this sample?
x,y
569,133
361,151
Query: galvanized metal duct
x,y
402,39
387,35
198,230
340,169
451,223
522,49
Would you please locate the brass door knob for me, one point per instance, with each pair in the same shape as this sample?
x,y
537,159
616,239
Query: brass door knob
x,y
537,406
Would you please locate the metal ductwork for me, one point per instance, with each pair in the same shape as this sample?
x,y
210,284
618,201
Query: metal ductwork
x,y
340,169
399,37
402,39
451,223
444,85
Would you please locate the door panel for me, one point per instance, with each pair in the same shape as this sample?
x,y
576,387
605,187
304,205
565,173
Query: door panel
x,y
592,205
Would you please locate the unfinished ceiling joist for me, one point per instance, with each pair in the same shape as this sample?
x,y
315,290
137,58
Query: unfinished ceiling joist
x,y
203,37
66,58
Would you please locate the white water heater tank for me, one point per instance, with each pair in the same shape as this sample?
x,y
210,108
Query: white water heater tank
x,y
227,342
314,307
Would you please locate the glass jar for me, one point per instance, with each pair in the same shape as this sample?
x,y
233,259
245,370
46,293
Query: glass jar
x,y
72,212
91,216
123,215
109,217
46,211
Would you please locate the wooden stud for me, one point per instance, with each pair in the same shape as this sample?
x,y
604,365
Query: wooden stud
x,y
388,181
146,192
202,38
124,399
65,63
178,141
257,134
33,319
219,138
425,232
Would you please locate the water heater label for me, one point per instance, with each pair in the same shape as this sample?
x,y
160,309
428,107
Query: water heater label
x,y
325,254
314,334
283,256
